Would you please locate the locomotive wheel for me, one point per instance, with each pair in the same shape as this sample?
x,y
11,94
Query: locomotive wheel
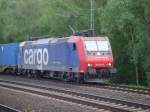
x,y
65,78
80,78
29,75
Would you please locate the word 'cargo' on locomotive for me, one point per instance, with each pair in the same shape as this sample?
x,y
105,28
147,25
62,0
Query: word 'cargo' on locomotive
x,y
76,58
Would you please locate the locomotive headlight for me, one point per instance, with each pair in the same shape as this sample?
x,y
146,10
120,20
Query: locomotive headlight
x,y
98,53
109,64
89,65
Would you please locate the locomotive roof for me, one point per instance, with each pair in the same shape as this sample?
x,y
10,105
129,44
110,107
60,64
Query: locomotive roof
x,y
46,41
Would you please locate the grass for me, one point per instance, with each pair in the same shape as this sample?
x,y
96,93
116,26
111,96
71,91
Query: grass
x,y
137,86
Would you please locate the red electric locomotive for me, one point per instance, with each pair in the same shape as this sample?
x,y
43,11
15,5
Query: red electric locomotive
x,y
95,57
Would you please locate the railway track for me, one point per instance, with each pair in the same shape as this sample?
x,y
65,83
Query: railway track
x,y
141,91
113,105
4,108
114,87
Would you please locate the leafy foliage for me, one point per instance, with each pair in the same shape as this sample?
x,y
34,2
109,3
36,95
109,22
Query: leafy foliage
x,y
126,22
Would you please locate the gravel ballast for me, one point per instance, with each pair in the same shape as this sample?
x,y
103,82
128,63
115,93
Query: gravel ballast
x,y
28,102
133,97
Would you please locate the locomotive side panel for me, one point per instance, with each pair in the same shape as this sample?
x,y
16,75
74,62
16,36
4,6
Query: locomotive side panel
x,y
58,57
73,57
49,57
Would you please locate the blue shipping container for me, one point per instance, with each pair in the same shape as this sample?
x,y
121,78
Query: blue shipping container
x,y
9,53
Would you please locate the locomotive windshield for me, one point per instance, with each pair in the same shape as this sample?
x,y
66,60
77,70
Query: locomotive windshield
x,y
103,45
91,46
97,47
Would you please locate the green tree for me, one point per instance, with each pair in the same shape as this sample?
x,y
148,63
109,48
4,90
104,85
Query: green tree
x,y
124,21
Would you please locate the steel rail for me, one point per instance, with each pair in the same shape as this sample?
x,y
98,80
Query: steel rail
x,y
4,108
90,96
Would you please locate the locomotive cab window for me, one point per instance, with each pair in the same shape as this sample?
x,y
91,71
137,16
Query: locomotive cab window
x,y
103,45
91,45
74,47
100,47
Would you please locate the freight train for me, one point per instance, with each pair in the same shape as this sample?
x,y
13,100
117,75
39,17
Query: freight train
x,y
80,58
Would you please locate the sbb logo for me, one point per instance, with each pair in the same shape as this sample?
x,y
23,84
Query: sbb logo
x,y
36,56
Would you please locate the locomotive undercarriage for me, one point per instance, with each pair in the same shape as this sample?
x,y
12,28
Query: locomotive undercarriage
x,y
65,76
98,75
93,75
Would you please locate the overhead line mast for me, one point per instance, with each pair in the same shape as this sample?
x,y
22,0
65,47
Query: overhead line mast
x,y
92,16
